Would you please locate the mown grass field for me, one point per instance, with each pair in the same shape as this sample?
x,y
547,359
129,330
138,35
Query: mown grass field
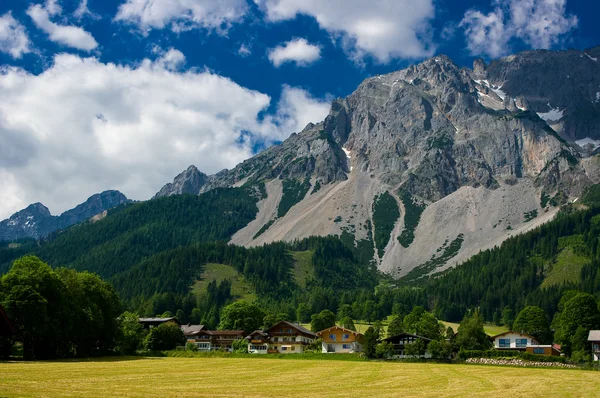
x,y
490,329
263,377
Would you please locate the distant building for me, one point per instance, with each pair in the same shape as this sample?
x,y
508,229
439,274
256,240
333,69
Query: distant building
x,y
337,339
546,350
6,326
513,341
283,337
213,340
403,340
594,339
149,323
258,342
190,330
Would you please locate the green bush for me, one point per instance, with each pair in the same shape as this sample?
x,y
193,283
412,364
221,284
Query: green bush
x,y
191,347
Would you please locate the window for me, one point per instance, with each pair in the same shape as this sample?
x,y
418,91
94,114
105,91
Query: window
x,y
346,336
504,343
283,348
346,346
332,337
521,343
538,351
293,348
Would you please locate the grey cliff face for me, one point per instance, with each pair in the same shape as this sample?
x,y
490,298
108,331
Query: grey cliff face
x,y
476,148
188,182
35,221
434,127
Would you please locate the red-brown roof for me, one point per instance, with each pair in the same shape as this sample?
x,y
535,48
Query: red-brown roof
x,y
339,328
513,332
295,326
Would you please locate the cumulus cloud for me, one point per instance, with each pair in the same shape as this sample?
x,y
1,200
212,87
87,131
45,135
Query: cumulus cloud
x,y
539,23
13,38
68,35
383,29
298,50
296,108
83,126
182,14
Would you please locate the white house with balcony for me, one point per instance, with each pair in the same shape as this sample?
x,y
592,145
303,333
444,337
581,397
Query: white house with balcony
x,y
513,341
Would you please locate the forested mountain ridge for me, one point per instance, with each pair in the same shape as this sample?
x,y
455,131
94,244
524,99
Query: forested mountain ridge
x,y
433,163
153,252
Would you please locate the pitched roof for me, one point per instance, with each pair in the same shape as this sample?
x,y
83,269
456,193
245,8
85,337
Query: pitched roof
x,y
226,332
260,333
147,320
513,332
189,330
296,326
406,334
6,327
319,333
594,335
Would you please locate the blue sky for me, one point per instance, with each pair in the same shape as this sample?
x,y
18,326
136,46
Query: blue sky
x,y
124,94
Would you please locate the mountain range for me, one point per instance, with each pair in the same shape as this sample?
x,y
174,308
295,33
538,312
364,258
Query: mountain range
x,y
35,221
433,163
418,169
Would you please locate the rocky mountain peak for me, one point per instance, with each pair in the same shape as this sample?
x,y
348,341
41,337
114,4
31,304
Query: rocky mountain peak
x,y
36,221
190,181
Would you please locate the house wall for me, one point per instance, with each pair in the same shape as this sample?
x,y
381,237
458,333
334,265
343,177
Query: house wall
x,y
547,351
258,348
596,350
338,336
339,348
512,337
287,348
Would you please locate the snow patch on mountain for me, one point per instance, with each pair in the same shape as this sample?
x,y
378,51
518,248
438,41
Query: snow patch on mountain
x,y
588,141
553,115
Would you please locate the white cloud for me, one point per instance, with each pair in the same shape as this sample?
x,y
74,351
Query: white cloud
x,y
83,11
296,108
182,14
83,126
486,34
170,60
298,50
244,50
539,23
68,35
13,38
384,29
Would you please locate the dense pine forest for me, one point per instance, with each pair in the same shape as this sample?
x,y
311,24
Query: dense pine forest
x,y
154,252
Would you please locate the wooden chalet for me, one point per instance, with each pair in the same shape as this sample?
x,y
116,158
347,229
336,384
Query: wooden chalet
x,y
212,340
401,341
149,323
337,339
283,337
6,326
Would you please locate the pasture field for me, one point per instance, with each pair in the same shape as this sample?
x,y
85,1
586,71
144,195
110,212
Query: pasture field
x,y
263,377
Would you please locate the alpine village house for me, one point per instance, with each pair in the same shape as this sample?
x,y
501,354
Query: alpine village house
x,y
291,338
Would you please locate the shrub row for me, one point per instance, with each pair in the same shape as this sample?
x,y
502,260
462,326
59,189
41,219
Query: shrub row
x,y
466,354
